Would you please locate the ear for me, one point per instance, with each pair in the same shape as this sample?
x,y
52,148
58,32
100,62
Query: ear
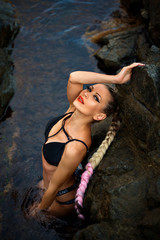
x,y
99,116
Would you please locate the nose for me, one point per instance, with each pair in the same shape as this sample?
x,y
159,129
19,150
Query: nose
x,y
86,94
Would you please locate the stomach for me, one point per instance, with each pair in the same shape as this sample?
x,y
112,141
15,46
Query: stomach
x,y
56,208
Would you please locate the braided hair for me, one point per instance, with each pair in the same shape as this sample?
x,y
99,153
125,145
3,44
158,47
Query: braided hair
x,y
96,158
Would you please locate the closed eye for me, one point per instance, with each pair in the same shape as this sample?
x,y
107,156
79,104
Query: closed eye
x,y
94,96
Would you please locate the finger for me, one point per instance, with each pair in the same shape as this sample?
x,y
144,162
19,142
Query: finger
x,y
135,65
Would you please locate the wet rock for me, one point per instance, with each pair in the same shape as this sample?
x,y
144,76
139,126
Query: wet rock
x,y
154,23
132,6
150,225
146,52
142,115
104,231
8,30
150,11
124,192
123,196
139,39
119,48
94,232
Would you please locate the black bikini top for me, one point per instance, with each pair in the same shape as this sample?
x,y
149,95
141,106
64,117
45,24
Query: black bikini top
x,y
53,151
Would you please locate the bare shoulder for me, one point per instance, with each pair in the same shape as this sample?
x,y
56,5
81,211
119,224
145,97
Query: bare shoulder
x,y
83,139
74,153
76,147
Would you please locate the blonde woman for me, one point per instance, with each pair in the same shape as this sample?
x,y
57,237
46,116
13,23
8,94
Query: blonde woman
x,y
68,137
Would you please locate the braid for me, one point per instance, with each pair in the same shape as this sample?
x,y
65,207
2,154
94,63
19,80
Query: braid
x,y
98,155
94,162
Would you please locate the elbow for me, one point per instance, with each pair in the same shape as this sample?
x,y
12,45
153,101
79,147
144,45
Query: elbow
x,y
73,77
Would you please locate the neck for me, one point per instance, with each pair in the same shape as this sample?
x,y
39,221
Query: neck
x,y
79,120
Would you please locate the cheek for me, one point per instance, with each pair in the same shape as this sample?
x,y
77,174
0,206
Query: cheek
x,y
94,107
90,108
91,104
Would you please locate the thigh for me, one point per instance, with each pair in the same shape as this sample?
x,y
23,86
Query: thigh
x,y
59,210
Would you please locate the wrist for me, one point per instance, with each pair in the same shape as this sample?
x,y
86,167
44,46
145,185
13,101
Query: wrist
x,y
41,208
116,78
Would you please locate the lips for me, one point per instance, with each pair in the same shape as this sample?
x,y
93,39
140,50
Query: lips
x,y
80,99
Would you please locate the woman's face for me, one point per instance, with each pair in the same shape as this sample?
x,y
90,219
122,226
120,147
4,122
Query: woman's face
x,y
93,100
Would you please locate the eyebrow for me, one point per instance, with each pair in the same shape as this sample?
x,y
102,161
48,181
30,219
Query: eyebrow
x,y
97,93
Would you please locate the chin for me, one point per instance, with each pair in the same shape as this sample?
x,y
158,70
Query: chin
x,y
82,108
77,104
74,104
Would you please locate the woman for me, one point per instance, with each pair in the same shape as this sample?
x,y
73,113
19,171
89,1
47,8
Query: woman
x,y
68,137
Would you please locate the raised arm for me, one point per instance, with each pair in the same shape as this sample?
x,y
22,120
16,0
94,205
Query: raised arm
x,y
78,78
72,156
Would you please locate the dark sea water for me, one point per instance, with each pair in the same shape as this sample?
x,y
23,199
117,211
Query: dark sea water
x,y
50,45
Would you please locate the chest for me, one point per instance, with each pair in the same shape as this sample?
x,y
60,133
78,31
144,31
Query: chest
x,y
57,133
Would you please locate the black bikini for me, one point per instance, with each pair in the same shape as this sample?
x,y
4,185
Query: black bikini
x,y
53,151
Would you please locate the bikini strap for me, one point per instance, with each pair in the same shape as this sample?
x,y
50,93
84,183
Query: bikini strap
x,y
54,134
63,123
68,113
71,140
68,189
67,202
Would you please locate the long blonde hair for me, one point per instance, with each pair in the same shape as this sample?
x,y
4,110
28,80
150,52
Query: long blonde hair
x,y
94,162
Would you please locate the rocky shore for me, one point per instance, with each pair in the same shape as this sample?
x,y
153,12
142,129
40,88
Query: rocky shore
x,y
122,201
123,198
8,30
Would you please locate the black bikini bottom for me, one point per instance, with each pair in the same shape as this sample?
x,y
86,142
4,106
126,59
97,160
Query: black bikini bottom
x,y
66,190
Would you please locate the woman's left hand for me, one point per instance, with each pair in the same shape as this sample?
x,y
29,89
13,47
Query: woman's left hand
x,y
42,216
34,210
125,74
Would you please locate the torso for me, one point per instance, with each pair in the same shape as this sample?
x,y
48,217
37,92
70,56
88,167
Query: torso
x,y
49,169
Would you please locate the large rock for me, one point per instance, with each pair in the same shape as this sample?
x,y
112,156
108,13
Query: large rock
x,y
123,196
139,39
132,6
118,48
142,115
150,10
147,52
154,23
8,31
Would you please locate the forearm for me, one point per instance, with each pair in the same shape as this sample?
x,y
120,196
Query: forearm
x,y
83,77
47,199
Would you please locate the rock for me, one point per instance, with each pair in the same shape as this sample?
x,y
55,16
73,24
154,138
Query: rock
x,y
147,52
104,231
8,26
8,30
142,115
93,232
124,192
132,6
151,224
123,196
119,48
150,11
154,22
